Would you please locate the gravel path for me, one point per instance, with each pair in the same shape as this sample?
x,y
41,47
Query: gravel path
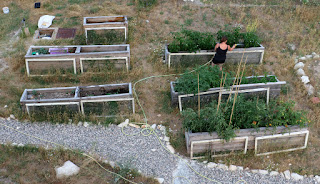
x,y
145,153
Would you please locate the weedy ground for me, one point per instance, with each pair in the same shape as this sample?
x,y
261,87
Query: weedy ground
x,y
30,164
288,21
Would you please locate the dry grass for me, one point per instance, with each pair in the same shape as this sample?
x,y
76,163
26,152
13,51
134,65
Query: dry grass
x,y
36,165
289,22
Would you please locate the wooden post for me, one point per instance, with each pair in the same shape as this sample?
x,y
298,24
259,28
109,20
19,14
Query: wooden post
x,y
198,96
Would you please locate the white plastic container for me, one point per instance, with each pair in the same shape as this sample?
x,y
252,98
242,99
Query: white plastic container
x,y
5,10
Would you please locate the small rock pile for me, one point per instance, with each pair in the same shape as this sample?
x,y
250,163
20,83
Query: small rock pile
x,y
299,65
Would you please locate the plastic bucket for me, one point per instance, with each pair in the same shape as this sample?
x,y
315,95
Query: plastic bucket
x,y
5,10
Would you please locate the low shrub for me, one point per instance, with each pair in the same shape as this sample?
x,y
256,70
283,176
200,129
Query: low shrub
x,y
248,113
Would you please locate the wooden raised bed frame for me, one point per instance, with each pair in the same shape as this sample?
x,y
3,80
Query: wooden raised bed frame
x,y
255,55
106,22
81,53
77,99
51,31
247,139
275,89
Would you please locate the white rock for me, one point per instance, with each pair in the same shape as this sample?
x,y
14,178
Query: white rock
x,y
8,119
311,176
171,149
134,125
291,47
274,173
80,123
124,124
14,144
300,72
163,128
296,176
205,162
298,65
160,180
20,145
247,169
166,138
317,178
12,116
254,171
159,115
316,56
308,56
159,127
282,175
68,169
85,124
212,165
287,174
239,168
296,61
222,166
313,53
309,88
302,58
264,172
305,79
111,163
153,150
154,126
232,167
5,106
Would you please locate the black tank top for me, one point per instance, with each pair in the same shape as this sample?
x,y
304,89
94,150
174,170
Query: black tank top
x,y
221,54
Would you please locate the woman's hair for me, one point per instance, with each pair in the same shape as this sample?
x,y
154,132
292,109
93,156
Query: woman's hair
x,y
223,39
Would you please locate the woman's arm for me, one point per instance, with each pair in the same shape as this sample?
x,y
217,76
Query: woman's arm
x,y
215,48
231,48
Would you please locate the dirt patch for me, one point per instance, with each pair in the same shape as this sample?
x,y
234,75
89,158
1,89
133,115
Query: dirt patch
x,y
35,95
102,91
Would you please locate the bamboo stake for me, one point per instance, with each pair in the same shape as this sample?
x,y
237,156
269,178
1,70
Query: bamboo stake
x,y
236,78
219,100
237,90
198,96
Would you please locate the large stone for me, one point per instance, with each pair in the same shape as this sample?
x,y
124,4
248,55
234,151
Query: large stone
x,y
232,168
240,168
298,65
134,125
212,165
124,124
85,124
310,89
160,180
308,56
167,139
316,57
317,178
222,166
302,58
171,149
154,126
301,72
68,169
287,174
296,176
274,173
305,79
254,171
264,172
12,116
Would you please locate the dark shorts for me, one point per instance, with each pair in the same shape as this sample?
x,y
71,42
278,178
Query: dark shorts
x,y
218,61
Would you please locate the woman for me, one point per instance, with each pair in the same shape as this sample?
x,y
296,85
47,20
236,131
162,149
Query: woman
x,y
221,52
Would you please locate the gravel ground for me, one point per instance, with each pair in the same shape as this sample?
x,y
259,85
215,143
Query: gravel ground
x,y
144,153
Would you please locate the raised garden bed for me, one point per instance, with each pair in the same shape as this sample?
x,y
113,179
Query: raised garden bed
x,y
106,22
45,33
292,138
254,54
243,124
78,95
274,88
40,58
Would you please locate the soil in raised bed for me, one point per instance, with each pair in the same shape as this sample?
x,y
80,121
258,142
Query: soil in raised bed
x,y
102,91
49,95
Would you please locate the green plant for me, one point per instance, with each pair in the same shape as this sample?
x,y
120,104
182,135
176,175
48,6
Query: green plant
x,y
191,41
210,77
250,39
146,4
166,21
247,113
